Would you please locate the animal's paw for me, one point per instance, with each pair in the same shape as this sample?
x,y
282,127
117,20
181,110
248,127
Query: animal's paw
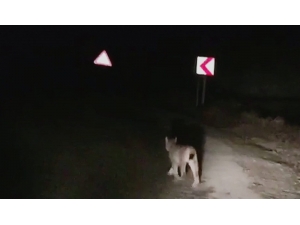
x,y
177,178
170,172
183,175
195,184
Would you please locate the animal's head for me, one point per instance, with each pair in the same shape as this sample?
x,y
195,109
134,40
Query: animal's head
x,y
170,143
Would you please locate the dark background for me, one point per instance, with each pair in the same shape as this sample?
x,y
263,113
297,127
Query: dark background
x,y
251,61
40,64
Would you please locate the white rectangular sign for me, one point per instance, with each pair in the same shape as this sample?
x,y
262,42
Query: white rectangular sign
x,y
205,66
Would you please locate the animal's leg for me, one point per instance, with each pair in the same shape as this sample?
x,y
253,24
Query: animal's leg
x,y
175,172
182,169
194,169
170,172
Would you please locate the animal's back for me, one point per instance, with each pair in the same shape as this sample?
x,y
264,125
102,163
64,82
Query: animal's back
x,y
181,153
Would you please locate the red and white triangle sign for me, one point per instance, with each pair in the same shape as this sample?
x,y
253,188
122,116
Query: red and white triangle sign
x,y
103,59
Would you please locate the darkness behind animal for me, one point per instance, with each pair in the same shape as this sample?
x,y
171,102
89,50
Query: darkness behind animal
x,y
189,134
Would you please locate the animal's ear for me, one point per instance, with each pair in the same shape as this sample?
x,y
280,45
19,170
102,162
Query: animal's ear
x,y
166,139
175,139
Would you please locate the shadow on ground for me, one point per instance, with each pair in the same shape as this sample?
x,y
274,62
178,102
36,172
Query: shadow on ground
x,y
75,146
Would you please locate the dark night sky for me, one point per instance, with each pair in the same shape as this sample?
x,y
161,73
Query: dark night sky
x,y
145,38
159,39
57,53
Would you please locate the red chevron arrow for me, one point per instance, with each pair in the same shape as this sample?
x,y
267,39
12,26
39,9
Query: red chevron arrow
x,y
203,66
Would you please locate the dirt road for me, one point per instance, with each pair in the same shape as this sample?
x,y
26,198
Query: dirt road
x,y
95,149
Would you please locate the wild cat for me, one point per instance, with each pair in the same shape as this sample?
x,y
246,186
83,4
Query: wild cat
x,y
180,155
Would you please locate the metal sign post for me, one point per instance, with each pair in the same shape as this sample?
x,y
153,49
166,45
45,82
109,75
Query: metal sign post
x,y
203,90
197,92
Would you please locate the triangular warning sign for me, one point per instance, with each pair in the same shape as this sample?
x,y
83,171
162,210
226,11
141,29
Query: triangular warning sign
x,y
103,59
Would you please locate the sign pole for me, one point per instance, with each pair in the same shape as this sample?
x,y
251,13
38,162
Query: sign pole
x,y
197,91
203,90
